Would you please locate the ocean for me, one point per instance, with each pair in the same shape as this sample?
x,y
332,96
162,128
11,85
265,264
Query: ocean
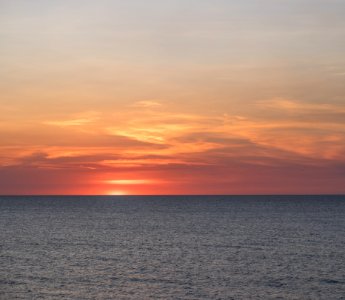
x,y
172,247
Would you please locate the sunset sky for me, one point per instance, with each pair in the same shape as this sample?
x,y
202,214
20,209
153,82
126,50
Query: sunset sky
x,y
172,97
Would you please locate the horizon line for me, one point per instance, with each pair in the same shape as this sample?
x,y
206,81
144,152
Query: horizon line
x,y
160,195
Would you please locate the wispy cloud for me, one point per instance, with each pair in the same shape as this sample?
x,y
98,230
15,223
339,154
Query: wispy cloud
x,y
301,107
147,104
80,119
165,145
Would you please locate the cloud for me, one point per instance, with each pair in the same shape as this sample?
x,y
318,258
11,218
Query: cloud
x,y
179,148
146,104
290,105
132,181
66,123
128,138
80,119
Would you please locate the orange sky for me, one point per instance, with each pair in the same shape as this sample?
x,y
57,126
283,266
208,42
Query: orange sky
x,y
172,97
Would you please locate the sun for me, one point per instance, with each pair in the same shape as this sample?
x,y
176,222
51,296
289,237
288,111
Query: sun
x,y
117,193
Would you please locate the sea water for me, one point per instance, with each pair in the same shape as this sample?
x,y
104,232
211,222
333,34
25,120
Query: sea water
x,y
185,247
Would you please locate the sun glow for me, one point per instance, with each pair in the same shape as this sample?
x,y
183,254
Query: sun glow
x,y
117,193
131,186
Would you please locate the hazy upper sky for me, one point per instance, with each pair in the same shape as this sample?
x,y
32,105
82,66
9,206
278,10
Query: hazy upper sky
x,y
172,97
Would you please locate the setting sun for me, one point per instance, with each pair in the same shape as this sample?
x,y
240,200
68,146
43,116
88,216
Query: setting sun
x,y
117,193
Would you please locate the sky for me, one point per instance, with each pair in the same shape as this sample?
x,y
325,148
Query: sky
x,y
118,97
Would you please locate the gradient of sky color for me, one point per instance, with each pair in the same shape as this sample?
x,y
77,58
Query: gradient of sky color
x,y
172,96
